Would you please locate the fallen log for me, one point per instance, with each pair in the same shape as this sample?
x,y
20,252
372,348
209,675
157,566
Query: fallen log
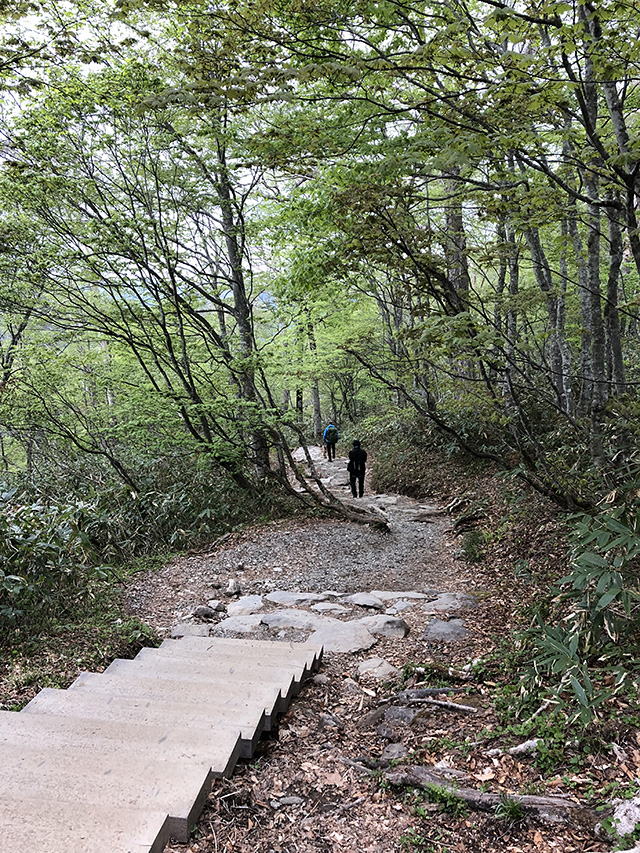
x,y
549,809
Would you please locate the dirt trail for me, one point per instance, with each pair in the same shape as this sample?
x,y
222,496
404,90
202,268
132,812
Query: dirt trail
x,y
310,788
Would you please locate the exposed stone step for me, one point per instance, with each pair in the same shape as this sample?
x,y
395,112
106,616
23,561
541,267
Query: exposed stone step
x,y
122,759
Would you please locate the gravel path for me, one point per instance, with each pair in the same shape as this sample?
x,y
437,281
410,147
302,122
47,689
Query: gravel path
x,y
313,555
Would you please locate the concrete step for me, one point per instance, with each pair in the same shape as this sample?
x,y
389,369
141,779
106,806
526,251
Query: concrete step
x,y
233,662
309,654
220,747
219,674
225,696
70,775
54,826
155,711
123,759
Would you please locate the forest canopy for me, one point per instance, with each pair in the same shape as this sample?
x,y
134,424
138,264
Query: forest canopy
x,y
224,223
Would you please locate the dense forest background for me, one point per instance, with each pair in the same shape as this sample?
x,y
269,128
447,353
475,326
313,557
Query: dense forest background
x,y
222,224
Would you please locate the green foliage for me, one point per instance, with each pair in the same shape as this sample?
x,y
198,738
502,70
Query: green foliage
x,y
509,810
447,799
46,560
587,654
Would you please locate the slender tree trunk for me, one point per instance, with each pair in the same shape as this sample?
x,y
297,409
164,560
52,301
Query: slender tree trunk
x,y
615,363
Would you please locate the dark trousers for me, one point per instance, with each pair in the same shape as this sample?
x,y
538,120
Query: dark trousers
x,y
331,450
357,477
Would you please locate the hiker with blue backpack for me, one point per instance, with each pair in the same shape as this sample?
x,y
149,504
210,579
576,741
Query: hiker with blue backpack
x,y
330,436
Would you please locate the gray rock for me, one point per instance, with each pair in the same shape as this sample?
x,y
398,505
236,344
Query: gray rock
x,y
238,625
393,752
291,801
320,678
329,607
377,668
371,719
203,611
385,626
399,606
245,606
233,587
187,629
351,686
400,715
294,619
338,636
626,815
387,595
283,596
448,631
448,601
365,599
217,605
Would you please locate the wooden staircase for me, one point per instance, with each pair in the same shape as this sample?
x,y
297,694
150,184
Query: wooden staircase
x,y
124,759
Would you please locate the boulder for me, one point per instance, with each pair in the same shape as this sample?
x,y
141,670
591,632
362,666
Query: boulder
x,y
329,607
388,595
233,587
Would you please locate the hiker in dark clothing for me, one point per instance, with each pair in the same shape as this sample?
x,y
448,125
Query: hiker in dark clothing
x,y
356,468
330,436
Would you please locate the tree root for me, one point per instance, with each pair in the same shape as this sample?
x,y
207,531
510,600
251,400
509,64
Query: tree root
x,y
548,809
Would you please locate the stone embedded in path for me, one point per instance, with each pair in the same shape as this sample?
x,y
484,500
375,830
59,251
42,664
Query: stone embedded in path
x,y
188,629
294,619
393,752
329,607
447,601
283,596
399,606
203,611
337,636
448,631
388,595
365,599
377,668
245,606
385,626
238,624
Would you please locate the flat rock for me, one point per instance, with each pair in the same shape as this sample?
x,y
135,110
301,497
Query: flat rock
x,y
448,631
337,636
238,624
399,606
447,601
385,626
283,596
393,752
245,606
377,668
329,607
365,599
400,715
295,619
217,605
188,629
388,595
